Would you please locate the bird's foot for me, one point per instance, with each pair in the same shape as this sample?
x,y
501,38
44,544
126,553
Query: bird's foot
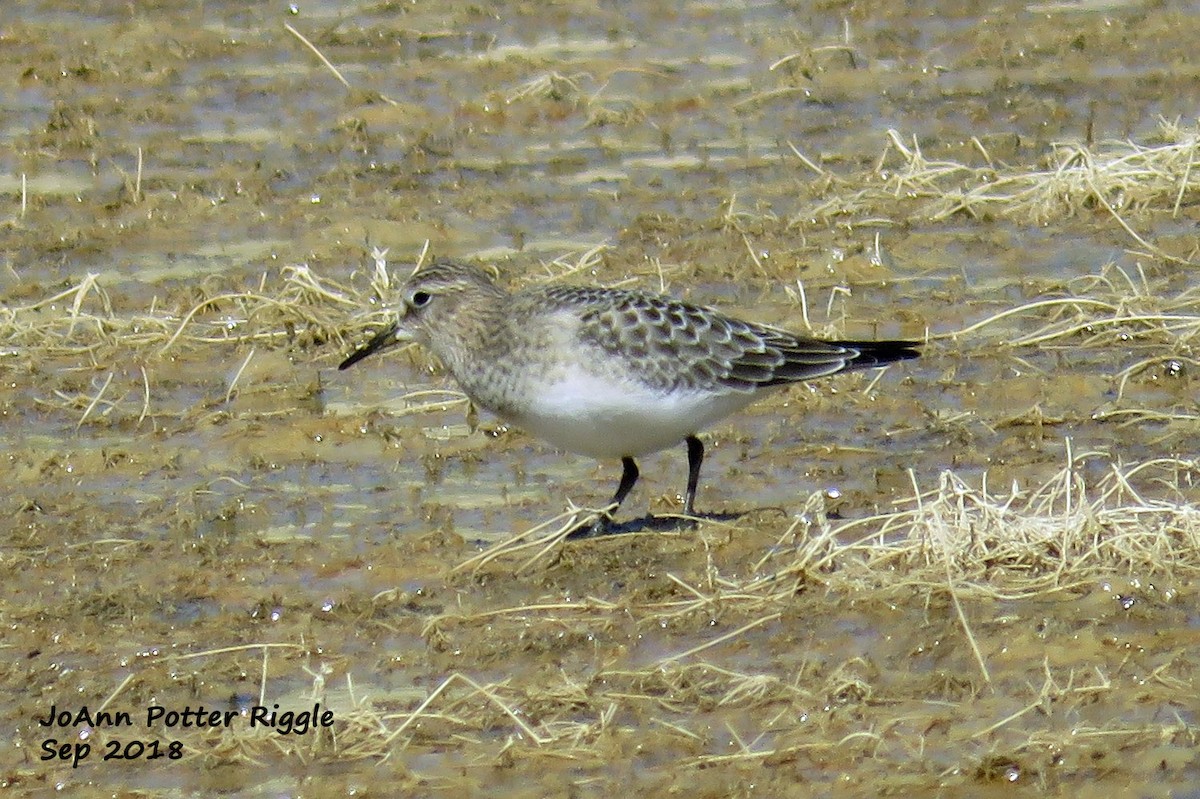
x,y
604,525
591,527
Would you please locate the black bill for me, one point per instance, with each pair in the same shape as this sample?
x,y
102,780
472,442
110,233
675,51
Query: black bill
x,y
384,339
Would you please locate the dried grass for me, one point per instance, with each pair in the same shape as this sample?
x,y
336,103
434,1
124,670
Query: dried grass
x,y
950,540
1120,178
958,545
969,541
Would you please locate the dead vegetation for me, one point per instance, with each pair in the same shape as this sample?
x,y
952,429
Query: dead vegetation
x,y
742,693
962,634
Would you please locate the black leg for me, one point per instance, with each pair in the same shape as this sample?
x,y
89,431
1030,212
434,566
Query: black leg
x,y
628,477
695,458
604,525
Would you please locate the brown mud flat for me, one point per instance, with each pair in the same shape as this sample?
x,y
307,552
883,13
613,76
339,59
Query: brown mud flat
x,y
971,575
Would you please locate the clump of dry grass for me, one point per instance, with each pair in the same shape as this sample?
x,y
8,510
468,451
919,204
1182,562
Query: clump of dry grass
x,y
299,306
296,308
1110,308
1021,542
1119,178
555,87
82,319
1112,175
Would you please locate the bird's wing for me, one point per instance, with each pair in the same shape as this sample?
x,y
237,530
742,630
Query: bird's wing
x,y
671,344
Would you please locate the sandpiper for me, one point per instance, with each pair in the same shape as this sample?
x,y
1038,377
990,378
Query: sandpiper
x,y
606,372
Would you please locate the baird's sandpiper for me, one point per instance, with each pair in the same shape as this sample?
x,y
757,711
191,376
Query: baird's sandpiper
x,y
606,372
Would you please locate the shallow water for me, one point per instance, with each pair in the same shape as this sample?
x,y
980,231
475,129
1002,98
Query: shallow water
x,y
226,497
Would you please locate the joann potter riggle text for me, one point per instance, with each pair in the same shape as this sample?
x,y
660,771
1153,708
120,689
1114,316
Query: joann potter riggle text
x,y
288,722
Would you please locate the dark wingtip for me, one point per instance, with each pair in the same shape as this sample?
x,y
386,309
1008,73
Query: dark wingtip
x,y
881,353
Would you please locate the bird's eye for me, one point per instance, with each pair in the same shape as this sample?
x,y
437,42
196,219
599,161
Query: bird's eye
x,y
420,299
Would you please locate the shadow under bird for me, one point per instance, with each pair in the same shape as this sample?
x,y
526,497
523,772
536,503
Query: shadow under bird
x,y
609,373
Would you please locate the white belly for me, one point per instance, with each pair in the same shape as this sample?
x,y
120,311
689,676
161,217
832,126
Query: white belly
x,y
607,418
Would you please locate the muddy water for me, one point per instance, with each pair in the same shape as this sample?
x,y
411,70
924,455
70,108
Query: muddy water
x,y
233,523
